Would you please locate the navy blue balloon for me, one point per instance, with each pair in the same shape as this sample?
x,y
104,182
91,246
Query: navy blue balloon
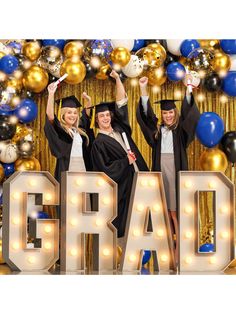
x,y
138,44
175,71
27,111
188,45
15,46
228,46
60,43
207,247
145,271
42,215
210,129
146,257
229,83
9,169
6,110
8,64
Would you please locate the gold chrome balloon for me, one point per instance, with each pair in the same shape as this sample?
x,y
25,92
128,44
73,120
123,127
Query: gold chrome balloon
x,y
15,83
221,62
103,72
27,164
35,79
1,173
2,54
75,69
213,159
211,44
120,56
31,50
156,75
73,48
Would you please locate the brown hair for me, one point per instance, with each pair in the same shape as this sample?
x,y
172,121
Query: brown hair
x,y
173,126
96,118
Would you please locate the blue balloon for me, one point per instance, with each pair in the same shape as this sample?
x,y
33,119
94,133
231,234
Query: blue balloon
x,y
188,45
175,71
6,110
229,83
228,46
207,247
15,46
26,111
145,271
60,43
210,129
8,64
138,44
146,257
42,215
9,169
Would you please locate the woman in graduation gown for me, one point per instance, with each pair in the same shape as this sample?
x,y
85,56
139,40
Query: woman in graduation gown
x,y
109,153
169,141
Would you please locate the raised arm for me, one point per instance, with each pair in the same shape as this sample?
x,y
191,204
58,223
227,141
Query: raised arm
x,y
50,104
120,90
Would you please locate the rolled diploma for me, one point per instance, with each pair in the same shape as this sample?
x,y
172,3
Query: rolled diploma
x,y
61,79
126,142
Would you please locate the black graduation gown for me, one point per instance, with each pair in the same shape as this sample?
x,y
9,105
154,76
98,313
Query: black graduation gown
x,y
60,143
109,156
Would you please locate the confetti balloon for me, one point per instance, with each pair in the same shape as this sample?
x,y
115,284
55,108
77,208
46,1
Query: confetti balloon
x,y
8,153
21,132
49,56
25,148
156,76
134,68
200,59
99,50
192,78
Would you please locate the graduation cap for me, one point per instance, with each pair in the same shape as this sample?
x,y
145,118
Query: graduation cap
x,y
103,106
70,101
166,104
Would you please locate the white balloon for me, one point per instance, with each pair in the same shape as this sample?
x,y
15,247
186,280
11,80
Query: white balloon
x,y
173,46
233,63
124,43
9,153
134,68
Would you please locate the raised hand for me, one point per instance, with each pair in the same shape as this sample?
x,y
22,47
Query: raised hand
x,y
87,98
114,74
52,88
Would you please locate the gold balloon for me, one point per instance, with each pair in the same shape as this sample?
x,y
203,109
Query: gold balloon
x,y
118,254
1,173
31,50
120,56
35,79
5,270
103,72
15,83
1,258
154,54
75,69
27,164
210,44
184,61
2,54
73,48
213,159
221,62
21,132
156,76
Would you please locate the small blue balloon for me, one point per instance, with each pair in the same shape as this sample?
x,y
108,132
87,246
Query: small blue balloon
x,y
145,271
15,46
228,46
138,44
9,169
42,215
175,71
146,257
229,83
210,129
60,43
207,247
8,64
188,45
6,110
27,111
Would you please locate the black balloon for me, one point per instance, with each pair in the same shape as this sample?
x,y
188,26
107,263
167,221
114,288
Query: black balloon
x,y
228,145
90,71
7,129
170,58
212,82
160,41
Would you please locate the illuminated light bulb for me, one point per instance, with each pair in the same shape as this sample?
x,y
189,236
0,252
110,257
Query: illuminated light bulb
x,y
106,200
100,182
48,245
106,252
212,184
132,258
156,208
116,67
200,97
73,200
188,210
133,82
16,220
73,222
98,222
188,184
152,182
32,182
140,207
48,229
224,210
156,89
31,259
48,197
95,62
16,245
188,260
212,260
224,234
160,233
79,182
202,74
223,99
222,73
177,94
144,182
13,120
136,232
164,258
188,235
73,252
33,214
16,195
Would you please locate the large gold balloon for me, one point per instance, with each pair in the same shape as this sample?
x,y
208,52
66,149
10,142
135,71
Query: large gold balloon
x,y
210,44
73,48
2,54
154,54
1,173
15,83
221,62
35,79
21,132
213,159
120,56
103,72
1,257
27,164
31,50
75,69
156,76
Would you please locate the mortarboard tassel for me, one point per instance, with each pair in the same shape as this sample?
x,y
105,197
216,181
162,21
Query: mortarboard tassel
x,y
59,110
92,123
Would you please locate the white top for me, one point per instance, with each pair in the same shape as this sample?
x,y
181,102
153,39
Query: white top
x,y
76,150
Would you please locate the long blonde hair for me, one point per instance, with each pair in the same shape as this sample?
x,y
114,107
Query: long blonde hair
x,y
75,125
173,126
